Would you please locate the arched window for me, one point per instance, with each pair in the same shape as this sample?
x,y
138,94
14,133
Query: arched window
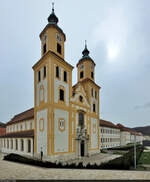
x,y
61,94
81,98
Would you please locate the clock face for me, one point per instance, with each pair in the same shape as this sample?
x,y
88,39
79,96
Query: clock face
x,y
58,38
81,66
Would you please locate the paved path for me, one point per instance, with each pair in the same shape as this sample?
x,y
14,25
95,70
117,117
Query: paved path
x,y
97,158
11,170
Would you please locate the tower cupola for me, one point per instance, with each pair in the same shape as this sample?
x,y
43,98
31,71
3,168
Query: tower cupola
x,y
86,66
53,37
52,19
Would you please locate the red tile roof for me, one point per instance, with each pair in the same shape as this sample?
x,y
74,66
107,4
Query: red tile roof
x,y
107,124
22,134
29,114
2,125
123,128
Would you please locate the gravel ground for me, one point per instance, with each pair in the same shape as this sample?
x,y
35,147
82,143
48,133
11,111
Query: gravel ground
x,y
11,170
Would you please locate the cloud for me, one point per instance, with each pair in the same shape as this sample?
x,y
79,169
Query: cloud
x,y
144,106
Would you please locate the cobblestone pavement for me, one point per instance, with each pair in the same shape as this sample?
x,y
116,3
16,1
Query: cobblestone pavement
x,y
11,170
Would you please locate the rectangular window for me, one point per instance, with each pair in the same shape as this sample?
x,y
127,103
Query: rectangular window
x,y
61,94
8,144
93,107
44,71
39,76
92,75
81,74
16,144
95,95
11,144
59,48
44,48
29,146
57,71
22,145
92,92
65,76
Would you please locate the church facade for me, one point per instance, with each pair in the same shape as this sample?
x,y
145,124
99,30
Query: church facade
x,y
65,118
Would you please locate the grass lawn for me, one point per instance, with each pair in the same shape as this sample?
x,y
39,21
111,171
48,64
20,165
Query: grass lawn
x,y
145,158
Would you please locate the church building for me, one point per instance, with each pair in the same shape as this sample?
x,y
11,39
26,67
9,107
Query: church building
x,y
65,119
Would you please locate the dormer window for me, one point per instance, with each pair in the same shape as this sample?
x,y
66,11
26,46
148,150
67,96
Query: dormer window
x,y
58,48
81,74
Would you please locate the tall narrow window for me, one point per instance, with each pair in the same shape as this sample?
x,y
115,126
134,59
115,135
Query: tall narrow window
x,y
95,95
8,144
81,98
16,144
44,71
93,107
59,48
92,74
39,76
44,48
4,144
65,76
81,74
61,94
92,92
11,144
29,146
81,120
22,145
57,71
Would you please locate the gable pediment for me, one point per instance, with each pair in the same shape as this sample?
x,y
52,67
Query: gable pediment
x,y
79,91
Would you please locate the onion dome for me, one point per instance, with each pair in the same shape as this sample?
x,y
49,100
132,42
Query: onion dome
x,y
85,54
52,19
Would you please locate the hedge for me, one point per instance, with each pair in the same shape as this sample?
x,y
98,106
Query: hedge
x,y
124,162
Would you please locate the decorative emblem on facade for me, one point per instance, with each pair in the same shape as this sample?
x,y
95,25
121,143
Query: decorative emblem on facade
x,y
94,128
61,124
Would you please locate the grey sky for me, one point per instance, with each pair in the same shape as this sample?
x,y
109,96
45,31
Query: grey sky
x,y
118,38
